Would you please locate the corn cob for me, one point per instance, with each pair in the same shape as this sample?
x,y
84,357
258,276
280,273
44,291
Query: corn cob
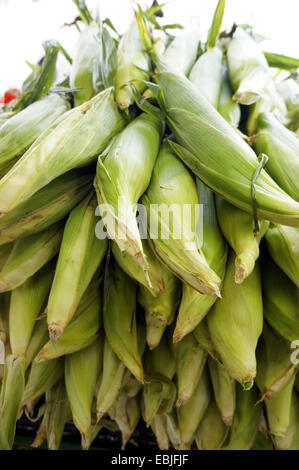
x,y
218,155
282,243
282,148
246,420
203,337
248,68
28,255
47,206
78,138
191,414
227,107
275,368
119,316
235,324
281,301
190,362
82,370
20,131
80,255
159,428
224,391
111,380
123,174
238,228
285,442
126,412
180,54
172,210
194,306
212,432
82,70
133,65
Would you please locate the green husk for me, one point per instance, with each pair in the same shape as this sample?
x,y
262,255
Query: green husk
x,y
78,138
282,148
5,251
123,174
238,228
203,337
4,331
159,428
283,246
224,391
262,443
279,410
39,337
227,107
80,255
218,155
28,255
212,432
246,420
248,68
194,306
180,54
126,413
190,362
47,206
285,442
21,130
82,370
235,324
295,442
119,315
170,192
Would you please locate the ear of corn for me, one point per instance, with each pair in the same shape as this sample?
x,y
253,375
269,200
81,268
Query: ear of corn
x,y
203,337
38,339
295,442
194,306
82,370
180,54
246,420
235,324
20,131
218,155
281,301
282,148
80,255
212,432
126,413
275,368
119,316
224,391
78,138
285,442
238,228
159,428
111,380
123,174
166,203
190,361
227,107
248,68
47,206
28,255
133,65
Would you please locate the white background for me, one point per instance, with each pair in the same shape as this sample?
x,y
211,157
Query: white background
x,y
24,24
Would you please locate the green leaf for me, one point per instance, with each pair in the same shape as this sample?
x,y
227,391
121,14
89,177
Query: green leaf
x,y
84,12
143,31
144,105
106,63
215,28
281,61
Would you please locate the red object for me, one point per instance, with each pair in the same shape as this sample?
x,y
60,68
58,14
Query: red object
x,y
10,95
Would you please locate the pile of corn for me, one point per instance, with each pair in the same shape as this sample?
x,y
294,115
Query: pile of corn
x,y
197,338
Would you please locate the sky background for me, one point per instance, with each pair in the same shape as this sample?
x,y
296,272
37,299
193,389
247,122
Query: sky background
x,y
25,24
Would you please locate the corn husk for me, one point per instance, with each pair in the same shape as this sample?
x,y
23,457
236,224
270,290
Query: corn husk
x,y
281,301
279,410
28,255
262,443
172,227
285,442
206,75
20,131
295,442
131,385
84,61
190,362
212,432
159,428
111,380
296,384
80,255
5,251
126,413
180,54
218,155
275,368
123,174
238,228
78,138
5,115
119,317
4,331
282,148
227,107
235,324
133,65
194,306
39,337
224,391
82,370
191,414
203,337
248,68
246,420
49,205
82,330
283,246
